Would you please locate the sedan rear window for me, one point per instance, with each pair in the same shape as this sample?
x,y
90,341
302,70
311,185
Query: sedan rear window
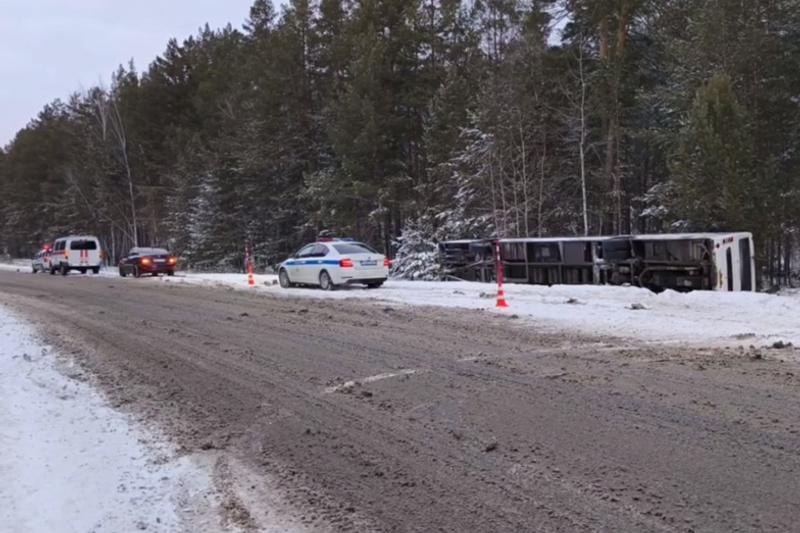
x,y
354,248
148,251
83,245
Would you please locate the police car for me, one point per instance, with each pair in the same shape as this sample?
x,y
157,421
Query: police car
x,y
329,263
41,261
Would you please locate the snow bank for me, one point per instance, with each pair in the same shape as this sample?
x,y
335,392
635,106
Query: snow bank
x,y
20,265
700,317
71,463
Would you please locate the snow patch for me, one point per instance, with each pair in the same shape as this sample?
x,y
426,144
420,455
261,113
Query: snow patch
x,y
71,463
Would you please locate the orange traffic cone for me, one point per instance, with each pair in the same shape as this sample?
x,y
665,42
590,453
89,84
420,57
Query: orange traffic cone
x,y
251,280
501,298
501,294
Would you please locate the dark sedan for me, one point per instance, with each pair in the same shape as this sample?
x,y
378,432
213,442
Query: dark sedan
x,y
153,261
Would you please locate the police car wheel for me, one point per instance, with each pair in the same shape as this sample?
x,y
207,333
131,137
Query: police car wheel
x,y
283,278
325,282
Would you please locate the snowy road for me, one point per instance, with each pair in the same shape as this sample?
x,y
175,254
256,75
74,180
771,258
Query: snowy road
x,y
355,416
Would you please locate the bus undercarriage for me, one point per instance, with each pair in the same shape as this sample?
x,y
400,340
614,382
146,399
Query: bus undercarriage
x,y
672,261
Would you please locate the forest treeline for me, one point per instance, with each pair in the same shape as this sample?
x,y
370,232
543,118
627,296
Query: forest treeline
x,y
404,122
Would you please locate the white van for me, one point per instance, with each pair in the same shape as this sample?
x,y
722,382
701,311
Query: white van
x,y
76,252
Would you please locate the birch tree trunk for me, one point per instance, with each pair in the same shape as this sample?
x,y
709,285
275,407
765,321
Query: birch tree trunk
x,y
539,217
118,126
524,177
582,139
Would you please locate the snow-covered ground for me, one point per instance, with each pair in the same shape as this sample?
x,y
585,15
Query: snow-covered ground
x,y
70,463
700,317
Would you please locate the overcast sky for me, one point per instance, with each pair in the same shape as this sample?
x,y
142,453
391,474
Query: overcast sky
x,y
50,48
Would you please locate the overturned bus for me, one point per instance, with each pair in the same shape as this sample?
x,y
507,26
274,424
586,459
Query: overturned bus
x,y
678,261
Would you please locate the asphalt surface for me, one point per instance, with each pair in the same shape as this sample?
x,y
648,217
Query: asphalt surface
x,y
369,417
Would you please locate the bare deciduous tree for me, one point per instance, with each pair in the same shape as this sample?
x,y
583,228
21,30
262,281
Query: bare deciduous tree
x,y
112,127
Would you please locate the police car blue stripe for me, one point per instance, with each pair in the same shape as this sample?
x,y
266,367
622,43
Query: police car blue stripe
x,y
312,262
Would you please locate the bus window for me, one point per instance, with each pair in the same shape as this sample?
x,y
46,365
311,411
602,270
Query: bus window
x,y
729,266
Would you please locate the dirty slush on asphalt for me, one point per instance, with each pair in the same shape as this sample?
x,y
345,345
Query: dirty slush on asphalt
x,y
351,416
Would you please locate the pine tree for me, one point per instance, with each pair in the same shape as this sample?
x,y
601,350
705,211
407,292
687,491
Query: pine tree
x,y
416,257
713,171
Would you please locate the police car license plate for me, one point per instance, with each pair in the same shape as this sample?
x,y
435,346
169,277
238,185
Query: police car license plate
x,y
369,263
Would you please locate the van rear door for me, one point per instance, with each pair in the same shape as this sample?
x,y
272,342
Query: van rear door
x,y
84,252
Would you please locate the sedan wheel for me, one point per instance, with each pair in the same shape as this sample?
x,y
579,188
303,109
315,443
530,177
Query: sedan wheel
x,y
136,272
283,278
325,282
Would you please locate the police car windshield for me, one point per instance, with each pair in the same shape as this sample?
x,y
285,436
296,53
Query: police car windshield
x,y
354,248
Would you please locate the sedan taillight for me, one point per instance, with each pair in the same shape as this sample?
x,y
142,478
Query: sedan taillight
x,y
346,263
386,262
